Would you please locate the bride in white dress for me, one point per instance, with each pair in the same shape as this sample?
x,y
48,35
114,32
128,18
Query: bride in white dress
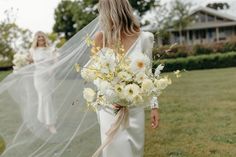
x,y
39,52
119,24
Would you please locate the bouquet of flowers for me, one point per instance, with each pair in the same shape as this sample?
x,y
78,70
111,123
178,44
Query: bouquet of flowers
x,y
121,80
20,60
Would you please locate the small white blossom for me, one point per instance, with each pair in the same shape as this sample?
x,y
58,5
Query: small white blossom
x,y
88,74
162,83
158,70
147,86
89,94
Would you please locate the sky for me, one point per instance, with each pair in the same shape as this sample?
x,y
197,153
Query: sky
x,y
32,14
39,14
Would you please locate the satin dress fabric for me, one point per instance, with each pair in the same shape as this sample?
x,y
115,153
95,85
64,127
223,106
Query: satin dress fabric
x,y
127,142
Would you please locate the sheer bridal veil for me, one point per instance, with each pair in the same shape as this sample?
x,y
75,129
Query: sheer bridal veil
x,y
77,127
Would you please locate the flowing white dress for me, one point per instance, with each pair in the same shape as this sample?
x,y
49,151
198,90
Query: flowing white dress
x,y
128,142
43,84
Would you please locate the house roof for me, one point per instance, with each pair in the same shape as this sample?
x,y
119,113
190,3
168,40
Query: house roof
x,y
207,25
194,26
153,27
214,12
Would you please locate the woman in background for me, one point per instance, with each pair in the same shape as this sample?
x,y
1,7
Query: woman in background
x,y
39,52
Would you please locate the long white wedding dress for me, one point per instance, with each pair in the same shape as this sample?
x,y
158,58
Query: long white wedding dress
x,y
44,83
128,142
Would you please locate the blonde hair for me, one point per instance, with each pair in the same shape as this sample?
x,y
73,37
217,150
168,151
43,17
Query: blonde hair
x,y
35,40
117,19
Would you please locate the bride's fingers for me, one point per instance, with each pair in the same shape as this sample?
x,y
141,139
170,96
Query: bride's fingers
x,y
116,106
155,122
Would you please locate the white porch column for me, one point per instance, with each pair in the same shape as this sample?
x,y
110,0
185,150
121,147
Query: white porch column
x,y
188,39
217,34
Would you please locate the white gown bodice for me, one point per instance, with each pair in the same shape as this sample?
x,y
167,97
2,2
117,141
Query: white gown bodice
x,y
41,54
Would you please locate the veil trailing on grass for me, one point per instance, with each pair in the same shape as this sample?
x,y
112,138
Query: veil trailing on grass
x,y
77,127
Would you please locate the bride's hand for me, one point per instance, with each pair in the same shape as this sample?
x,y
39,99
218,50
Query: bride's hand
x,y
117,106
155,118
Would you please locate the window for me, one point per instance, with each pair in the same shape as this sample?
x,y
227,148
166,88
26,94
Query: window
x,y
210,18
202,17
219,19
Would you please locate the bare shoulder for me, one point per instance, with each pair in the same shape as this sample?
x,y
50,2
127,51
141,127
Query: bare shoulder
x,y
149,36
98,39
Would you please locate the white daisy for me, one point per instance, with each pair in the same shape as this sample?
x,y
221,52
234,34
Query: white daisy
x,y
139,63
131,91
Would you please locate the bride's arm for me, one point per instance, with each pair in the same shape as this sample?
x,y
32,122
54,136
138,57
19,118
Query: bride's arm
x,y
98,40
155,117
30,57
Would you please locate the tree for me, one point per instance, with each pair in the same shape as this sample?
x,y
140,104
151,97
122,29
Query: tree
x,y
180,14
64,17
12,38
142,6
72,16
160,19
218,6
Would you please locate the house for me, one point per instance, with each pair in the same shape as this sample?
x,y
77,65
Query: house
x,y
208,26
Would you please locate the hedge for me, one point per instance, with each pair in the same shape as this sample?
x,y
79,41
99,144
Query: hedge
x,y
5,66
219,60
194,50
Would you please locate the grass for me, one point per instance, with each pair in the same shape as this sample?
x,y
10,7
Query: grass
x,y
3,74
198,116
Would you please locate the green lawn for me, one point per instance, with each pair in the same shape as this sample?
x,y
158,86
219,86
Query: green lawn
x,y
198,116
3,74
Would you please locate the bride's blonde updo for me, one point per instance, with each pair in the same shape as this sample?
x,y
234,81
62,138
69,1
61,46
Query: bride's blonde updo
x,y
35,40
117,20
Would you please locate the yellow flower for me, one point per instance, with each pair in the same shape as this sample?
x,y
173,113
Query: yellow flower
x,y
89,41
77,67
122,49
177,73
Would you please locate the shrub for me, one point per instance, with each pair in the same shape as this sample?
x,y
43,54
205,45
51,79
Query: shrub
x,y
176,51
218,60
194,50
202,49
